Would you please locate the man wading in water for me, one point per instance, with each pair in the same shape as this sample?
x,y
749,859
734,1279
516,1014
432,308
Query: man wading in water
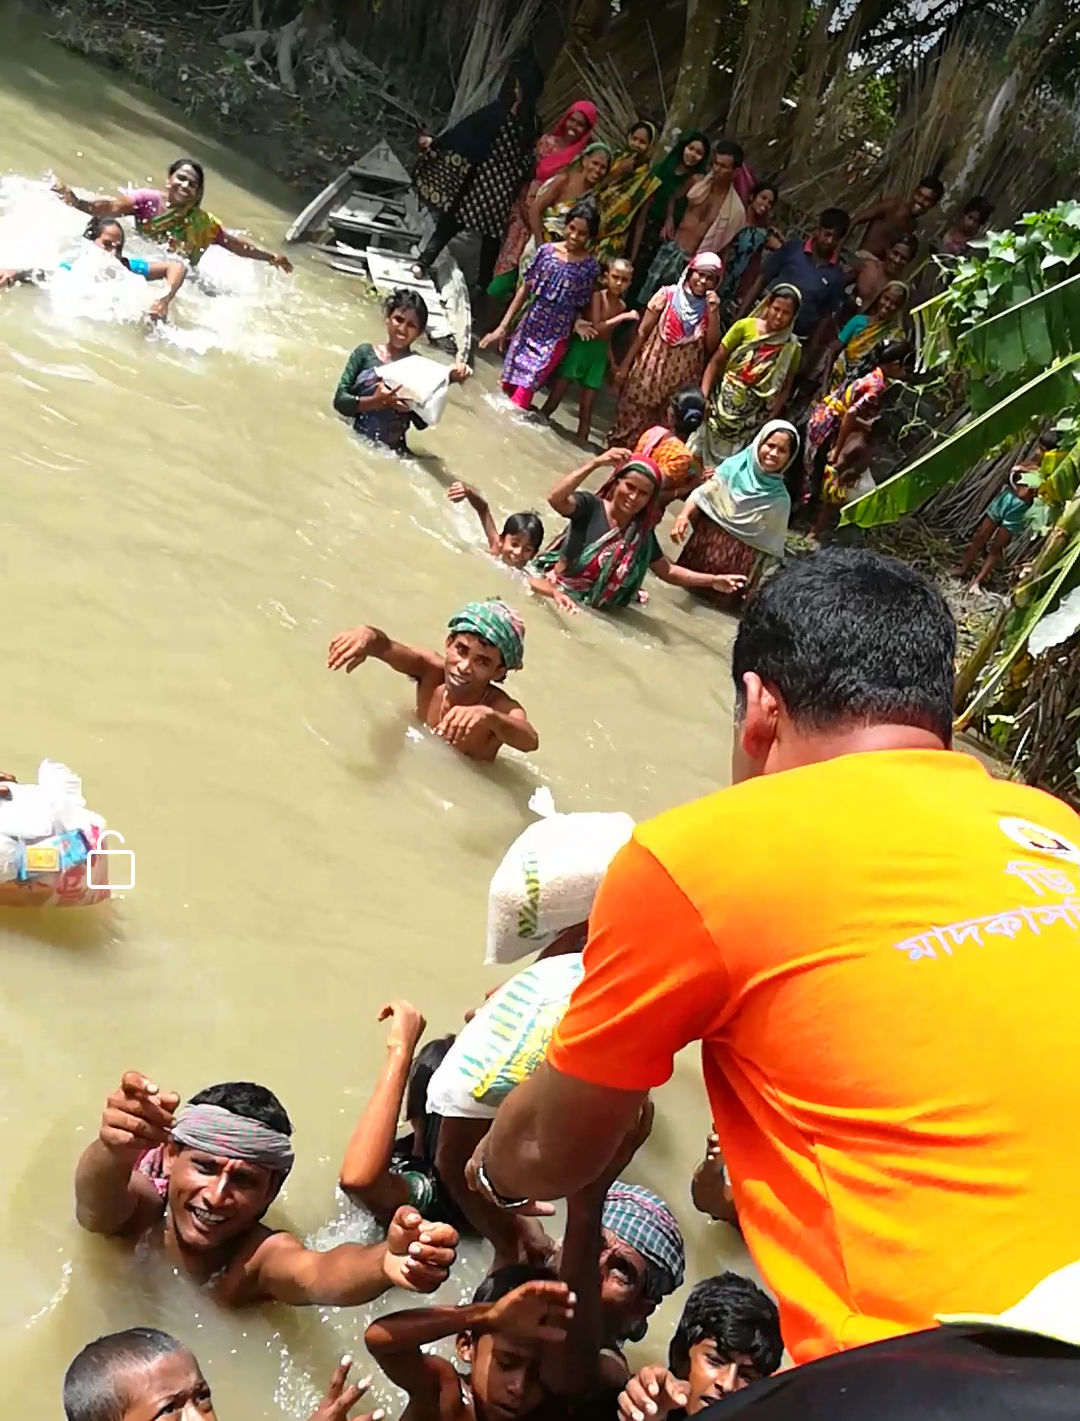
x,y
200,1179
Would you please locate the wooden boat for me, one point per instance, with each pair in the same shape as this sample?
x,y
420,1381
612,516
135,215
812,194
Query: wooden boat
x,y
370,223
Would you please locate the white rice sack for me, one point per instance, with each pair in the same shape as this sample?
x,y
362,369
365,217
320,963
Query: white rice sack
x,y
505,1041
549,878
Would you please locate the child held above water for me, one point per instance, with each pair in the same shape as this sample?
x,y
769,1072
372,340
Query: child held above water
x,y
456,693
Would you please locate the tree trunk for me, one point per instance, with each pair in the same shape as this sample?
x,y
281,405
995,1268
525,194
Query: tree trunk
x,y
770,41
1026,58
703,21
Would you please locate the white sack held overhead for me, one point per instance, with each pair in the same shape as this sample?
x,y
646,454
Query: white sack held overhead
x,y
549,877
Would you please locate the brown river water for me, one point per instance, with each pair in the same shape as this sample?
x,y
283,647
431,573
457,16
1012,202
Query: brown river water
x,y
185,524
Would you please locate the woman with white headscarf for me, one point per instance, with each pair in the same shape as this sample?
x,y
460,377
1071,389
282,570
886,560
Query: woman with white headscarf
x,y
739,516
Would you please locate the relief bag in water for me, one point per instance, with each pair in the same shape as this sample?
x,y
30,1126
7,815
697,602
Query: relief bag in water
x,y
549,878
423,384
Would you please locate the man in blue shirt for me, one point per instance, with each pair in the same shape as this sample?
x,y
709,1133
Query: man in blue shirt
x,y
812,267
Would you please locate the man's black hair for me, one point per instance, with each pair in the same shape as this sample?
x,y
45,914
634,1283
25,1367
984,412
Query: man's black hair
x,y
253,1102
526,525
94,1382
425,1063
405,300
835,219
734,1313
1050,439
586,211
504,1280
932,184
730,149
850,638
909,240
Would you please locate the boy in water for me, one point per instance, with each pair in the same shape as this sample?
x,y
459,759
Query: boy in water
x,y
728,1336
377,411
590,356
456,694
500,1336
147,1375
516,546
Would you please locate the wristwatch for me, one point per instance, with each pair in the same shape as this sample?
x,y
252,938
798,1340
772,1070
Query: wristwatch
x,y
485,1187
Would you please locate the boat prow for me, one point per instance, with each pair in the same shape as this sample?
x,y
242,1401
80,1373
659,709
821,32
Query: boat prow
x,y
370,223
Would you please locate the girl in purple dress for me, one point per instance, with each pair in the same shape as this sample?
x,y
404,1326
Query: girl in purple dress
x,y
557,288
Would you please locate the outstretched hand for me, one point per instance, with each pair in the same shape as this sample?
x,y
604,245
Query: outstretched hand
x,y
137,1116
351,649
540,1310
728,582
418,1255
654,1391
340,1399
407,1025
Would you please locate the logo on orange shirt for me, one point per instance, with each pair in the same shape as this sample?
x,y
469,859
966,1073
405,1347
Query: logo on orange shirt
x,y
1039,840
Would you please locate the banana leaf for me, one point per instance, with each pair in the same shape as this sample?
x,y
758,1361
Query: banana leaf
x,y
1035,612
1045,395
1029,335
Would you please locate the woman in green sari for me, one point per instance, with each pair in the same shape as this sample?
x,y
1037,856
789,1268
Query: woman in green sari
x,y
630,184
658,218
750,377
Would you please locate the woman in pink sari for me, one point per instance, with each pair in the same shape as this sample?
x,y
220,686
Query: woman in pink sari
x,y
555,150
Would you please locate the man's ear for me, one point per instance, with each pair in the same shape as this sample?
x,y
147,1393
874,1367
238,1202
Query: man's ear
x,y
463,1346
168,1155
756,730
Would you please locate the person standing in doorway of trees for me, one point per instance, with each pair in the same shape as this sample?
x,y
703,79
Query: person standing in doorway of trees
x,y
895,1170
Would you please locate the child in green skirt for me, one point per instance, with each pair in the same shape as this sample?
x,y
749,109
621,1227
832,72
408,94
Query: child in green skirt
x,y
586,362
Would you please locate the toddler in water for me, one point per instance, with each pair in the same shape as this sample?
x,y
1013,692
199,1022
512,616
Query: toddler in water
x,y
456,693
377,412
590,356
143,1375
516,546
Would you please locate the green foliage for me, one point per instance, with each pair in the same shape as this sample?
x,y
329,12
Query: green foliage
x,y
1023,409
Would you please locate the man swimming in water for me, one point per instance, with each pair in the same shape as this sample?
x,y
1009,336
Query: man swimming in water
x,y
456,694
197,1181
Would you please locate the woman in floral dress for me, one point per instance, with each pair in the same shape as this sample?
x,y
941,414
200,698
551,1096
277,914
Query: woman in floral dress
x,y
555,292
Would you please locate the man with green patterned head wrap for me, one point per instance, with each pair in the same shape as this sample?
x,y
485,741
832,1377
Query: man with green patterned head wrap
x,y
456,695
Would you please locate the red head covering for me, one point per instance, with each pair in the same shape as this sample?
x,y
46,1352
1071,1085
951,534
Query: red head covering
x,y
559,154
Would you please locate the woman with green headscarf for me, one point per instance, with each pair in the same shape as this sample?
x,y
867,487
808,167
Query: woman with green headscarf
x,y
627,187
658,218
738,518
601,558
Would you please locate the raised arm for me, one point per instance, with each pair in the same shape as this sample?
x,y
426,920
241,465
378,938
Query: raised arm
x,y
416,1255
122,205
561,498
111,1197
241,247
365,1171
351,649
465,493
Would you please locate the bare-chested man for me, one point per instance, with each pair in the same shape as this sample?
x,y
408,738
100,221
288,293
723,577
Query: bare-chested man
x,y
198,1180
872,274
456,694
714,214
891,213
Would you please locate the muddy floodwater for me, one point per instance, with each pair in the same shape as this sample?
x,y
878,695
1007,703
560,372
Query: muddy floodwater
x,y
185,523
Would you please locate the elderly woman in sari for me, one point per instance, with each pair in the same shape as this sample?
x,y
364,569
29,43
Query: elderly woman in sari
x,y
676,336
601,558
174,217
738,518
882,320
750,377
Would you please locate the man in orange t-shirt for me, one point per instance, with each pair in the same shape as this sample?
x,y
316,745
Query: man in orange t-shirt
x,y
878,946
